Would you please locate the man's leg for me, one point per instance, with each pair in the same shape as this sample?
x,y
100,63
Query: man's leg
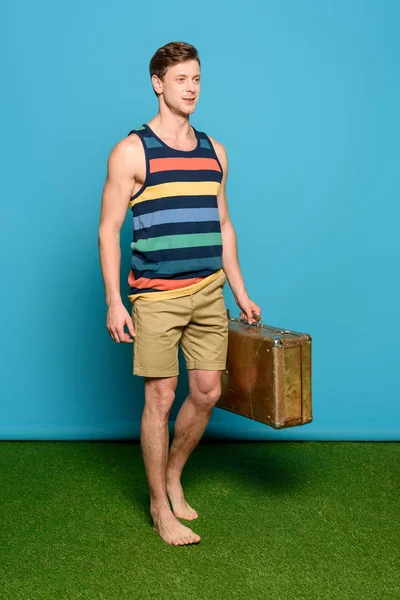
x,y
158,327
204,344
159,397
190,423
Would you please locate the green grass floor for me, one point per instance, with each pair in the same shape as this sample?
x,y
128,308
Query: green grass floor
x,y
278,520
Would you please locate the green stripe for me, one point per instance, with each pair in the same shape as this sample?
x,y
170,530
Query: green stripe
x,y
168,242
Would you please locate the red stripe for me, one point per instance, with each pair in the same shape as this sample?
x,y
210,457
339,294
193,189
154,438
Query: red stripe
x,y
183,164
161,285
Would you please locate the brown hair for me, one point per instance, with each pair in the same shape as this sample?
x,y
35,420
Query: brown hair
x,y
171,54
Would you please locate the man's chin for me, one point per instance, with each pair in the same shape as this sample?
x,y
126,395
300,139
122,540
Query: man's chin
x,y
187,110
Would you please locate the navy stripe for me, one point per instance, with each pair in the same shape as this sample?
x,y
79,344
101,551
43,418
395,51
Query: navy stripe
x,y
183,269
162,152
181,253
176,229
149,206
199,253
145,290
184,175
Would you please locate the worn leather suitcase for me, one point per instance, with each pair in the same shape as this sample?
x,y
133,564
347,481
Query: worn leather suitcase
x,y
268,374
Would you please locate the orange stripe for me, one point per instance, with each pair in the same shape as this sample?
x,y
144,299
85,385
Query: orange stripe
x,y
161,284
183,164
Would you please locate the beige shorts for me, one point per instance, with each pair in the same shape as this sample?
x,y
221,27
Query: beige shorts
x,y
198,322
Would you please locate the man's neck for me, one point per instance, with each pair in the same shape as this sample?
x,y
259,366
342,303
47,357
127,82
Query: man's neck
x,y
172,126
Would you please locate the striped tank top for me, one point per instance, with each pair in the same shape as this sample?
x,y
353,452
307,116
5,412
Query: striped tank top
x,y
177,241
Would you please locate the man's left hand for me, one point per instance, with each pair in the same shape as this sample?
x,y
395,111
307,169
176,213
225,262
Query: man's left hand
x,y
249,309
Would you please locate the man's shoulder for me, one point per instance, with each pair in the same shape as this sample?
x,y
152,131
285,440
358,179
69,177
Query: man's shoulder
x,y
216,144
219,148
127,155
133,139
128,146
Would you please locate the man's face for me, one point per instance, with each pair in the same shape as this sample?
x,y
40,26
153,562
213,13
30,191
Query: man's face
x,y
181,83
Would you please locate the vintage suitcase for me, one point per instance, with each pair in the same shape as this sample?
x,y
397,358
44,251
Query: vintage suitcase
x,y
268,374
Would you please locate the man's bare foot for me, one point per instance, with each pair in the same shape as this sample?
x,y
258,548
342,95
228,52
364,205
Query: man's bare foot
x,y
172,531
180,507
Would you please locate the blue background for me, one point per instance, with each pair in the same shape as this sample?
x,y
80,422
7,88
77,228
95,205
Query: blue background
x,y
305,97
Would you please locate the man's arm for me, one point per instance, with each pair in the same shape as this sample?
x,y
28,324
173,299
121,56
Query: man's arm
x,y
230,256
117,191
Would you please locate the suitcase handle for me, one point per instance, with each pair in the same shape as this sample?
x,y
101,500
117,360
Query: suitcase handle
x,y
256,317
277,330
256,324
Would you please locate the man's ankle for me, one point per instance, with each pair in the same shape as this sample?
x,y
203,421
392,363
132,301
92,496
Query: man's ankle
x,y
158,509
172,475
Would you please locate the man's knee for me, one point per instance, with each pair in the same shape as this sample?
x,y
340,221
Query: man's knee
x,y
160,394
205,392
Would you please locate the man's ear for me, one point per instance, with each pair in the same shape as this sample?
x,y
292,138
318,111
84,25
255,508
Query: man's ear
x,y
157,84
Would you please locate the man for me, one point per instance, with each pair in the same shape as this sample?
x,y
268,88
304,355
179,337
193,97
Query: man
x,y
173,178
